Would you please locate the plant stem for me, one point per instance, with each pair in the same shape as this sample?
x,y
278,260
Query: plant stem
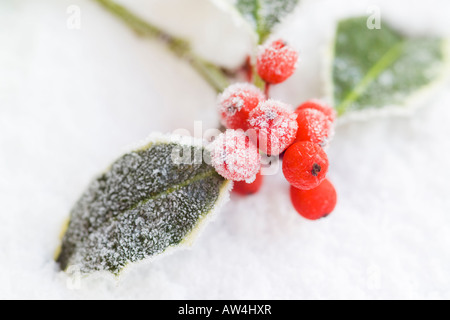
x,y
267,90
257,81
213,74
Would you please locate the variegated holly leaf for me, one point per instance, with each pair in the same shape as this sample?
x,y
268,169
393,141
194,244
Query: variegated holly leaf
x,y
261,15
147,202
377,68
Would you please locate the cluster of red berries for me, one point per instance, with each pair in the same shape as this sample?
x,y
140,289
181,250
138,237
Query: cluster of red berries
x,y
258,124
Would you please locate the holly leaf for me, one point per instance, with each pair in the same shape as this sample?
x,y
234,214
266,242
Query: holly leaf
x,y
262,15
374,69
148,201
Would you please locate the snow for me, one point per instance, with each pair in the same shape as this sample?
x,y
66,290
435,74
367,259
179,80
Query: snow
x,y
71,101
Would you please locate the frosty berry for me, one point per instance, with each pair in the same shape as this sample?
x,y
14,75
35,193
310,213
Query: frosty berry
x,y
244,189
234,156
277,62
316,203
305,165
313,126
236,102
319,106
274,125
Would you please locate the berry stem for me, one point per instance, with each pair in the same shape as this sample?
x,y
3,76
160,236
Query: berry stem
x,y
267,90
248,68
257,81
213,74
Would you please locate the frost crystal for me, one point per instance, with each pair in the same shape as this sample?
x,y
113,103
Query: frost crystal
x,y
140,207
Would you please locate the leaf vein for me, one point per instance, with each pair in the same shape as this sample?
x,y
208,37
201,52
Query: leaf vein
x,y
385,62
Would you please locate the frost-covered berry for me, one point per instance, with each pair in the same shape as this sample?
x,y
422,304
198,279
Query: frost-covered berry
x,y
243,188
274,125
236,102
234,156
314,126
317,203
305,165
320,106
276,62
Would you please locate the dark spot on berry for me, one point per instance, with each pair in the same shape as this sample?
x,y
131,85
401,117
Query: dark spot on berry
x,y
316,169
231,110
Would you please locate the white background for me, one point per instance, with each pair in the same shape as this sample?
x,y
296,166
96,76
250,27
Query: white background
x,y
71,101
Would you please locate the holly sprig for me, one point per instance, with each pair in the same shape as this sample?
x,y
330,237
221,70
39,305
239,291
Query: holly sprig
x,y
149,202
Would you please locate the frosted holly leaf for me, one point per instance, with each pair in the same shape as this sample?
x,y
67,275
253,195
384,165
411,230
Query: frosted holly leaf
x,y
374,69
262,15
265,14
147,202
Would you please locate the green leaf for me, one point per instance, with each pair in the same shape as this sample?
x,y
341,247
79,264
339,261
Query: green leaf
x,y
263,15
373,69
143,205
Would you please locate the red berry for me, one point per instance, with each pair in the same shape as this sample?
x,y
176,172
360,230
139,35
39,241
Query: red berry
x,y
274,125
320,106
316,203
277,62
243,188
314,126
234,156
236,102
305,165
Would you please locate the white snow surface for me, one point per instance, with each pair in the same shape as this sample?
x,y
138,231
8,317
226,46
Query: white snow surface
x,y
71,101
